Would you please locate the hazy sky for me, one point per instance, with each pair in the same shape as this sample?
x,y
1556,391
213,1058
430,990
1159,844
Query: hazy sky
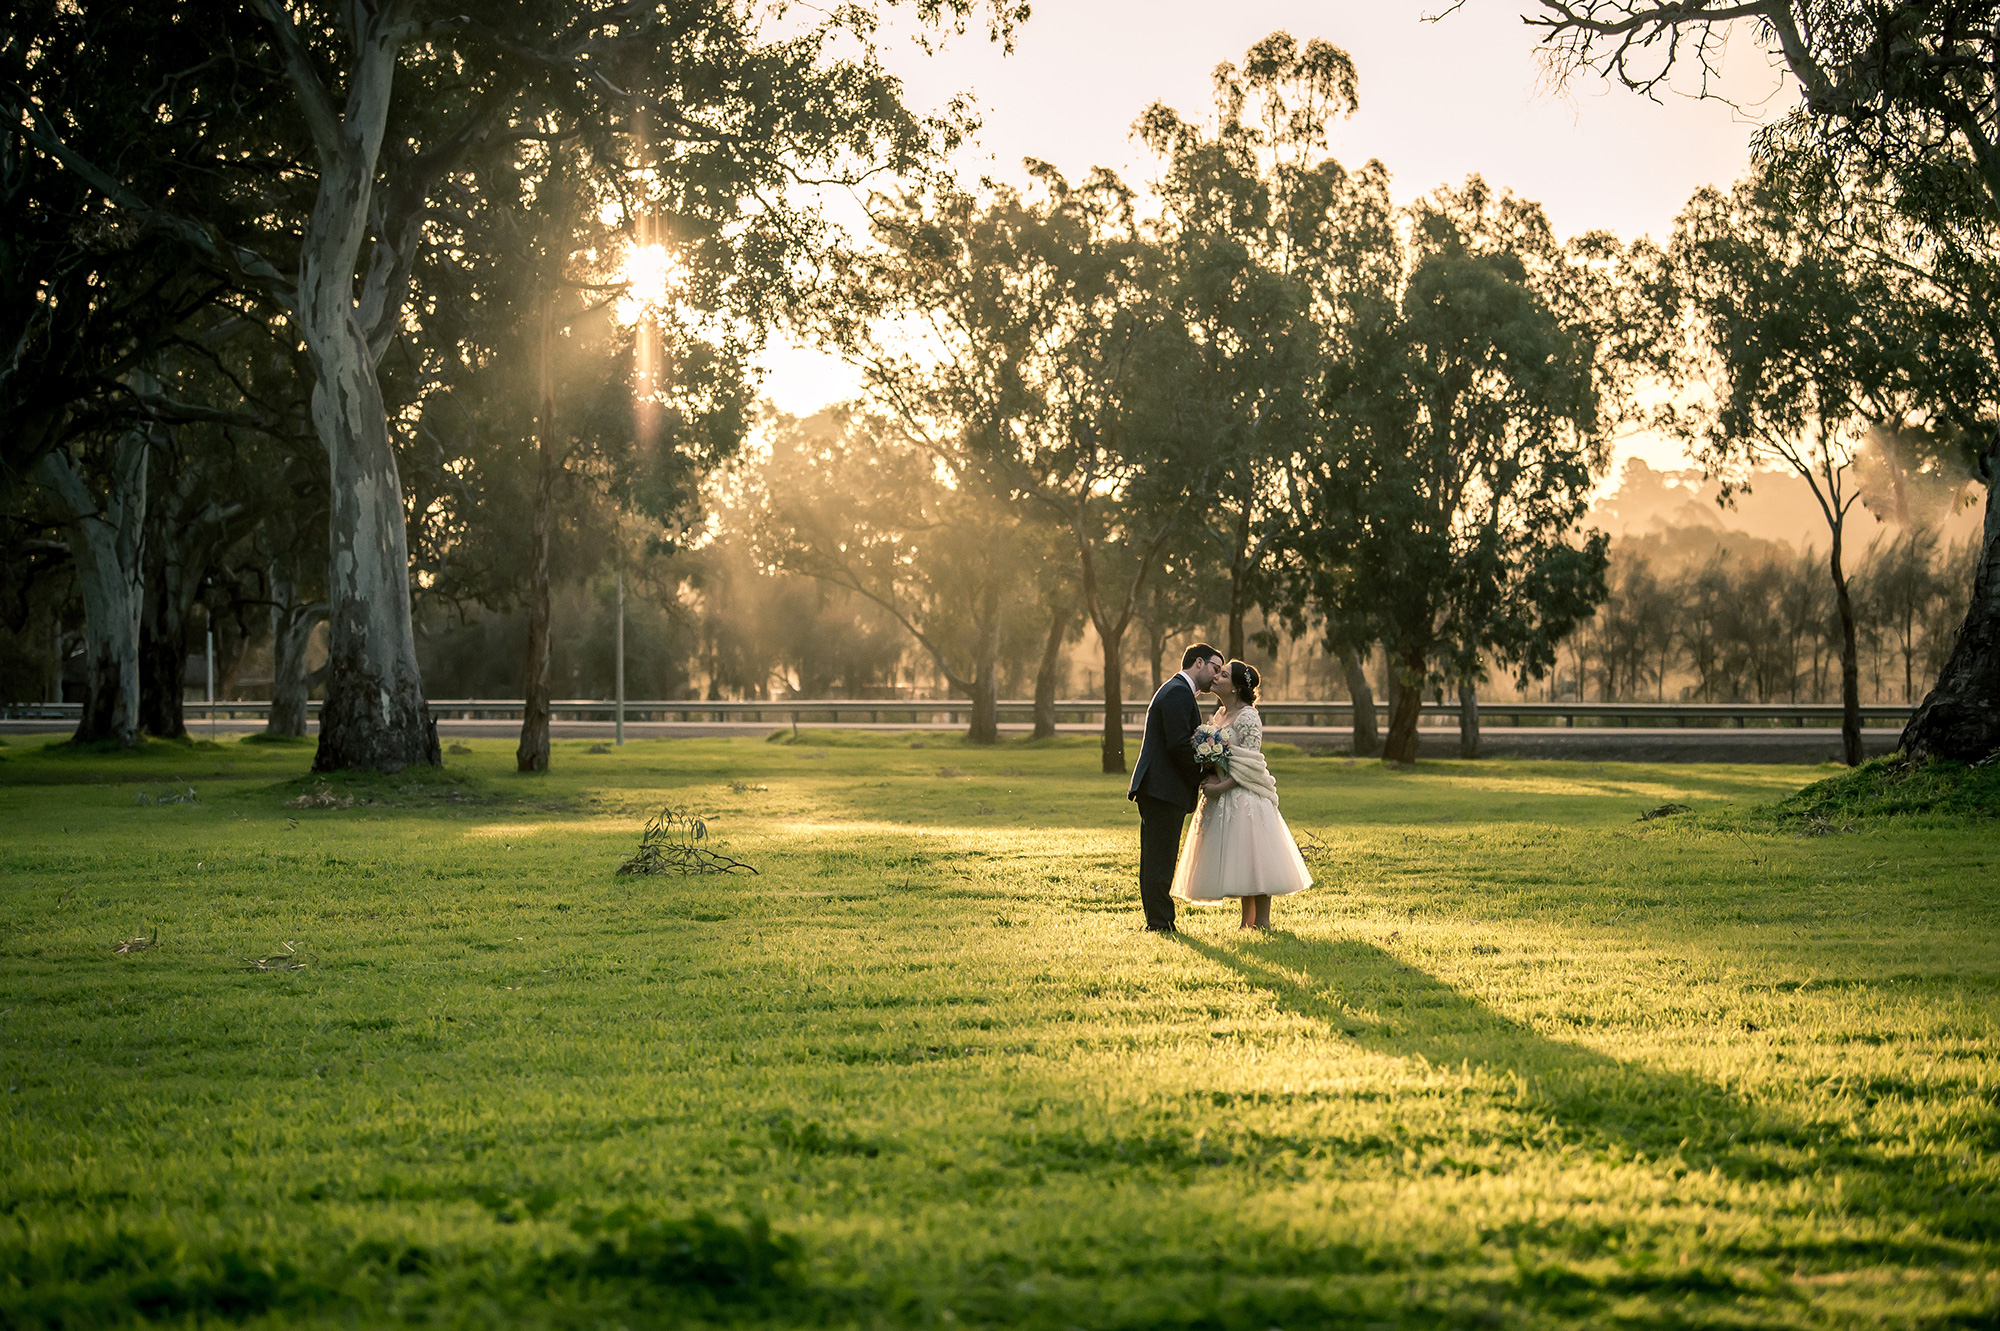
x,y
1439,101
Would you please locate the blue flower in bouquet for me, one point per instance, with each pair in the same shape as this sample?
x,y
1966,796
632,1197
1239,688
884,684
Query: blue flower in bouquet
x,y
1210,749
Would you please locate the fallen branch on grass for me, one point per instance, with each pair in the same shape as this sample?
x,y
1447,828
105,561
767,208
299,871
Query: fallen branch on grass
x,y
180,792
675,842
1664,811
139,944
288,960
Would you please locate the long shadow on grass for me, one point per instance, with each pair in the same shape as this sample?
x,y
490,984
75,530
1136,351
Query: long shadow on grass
x,y
1564,1094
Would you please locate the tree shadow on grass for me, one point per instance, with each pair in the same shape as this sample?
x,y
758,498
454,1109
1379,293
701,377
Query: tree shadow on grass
x,y
1566,1095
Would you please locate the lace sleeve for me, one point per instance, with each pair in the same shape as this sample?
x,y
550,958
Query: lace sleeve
x,y
1250,729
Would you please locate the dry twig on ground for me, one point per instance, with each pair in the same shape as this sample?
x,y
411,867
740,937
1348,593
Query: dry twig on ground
x,y
291,959
139,944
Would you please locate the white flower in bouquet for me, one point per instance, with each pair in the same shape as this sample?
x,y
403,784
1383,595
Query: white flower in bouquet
x,y
1210,749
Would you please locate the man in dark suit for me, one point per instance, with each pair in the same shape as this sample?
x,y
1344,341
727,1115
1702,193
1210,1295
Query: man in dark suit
x,y
1166,781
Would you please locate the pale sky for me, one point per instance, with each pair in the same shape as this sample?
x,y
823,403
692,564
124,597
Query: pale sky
x,y
1439,101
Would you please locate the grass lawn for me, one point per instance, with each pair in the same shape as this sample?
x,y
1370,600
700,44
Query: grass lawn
x,y
1518,1060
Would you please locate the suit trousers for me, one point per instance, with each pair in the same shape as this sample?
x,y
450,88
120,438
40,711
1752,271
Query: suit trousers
x,y
1160,825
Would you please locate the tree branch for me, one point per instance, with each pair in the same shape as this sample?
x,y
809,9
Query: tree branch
x,y
313,96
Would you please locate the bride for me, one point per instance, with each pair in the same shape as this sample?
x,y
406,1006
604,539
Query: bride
x,y
1240,846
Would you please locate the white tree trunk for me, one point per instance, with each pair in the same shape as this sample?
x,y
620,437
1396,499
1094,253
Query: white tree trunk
x,y
374,716
107,541
292,625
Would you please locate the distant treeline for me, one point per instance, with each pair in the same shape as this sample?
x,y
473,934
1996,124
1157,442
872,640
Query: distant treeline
x,y
1699,617
1694,614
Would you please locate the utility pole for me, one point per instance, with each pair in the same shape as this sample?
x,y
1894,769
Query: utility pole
x,y
619,670
209,689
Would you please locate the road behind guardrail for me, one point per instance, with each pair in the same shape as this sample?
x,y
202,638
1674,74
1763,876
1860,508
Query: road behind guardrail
x,y
1600,732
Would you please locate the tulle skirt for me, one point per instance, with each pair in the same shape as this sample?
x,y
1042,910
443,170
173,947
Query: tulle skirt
x,y
1239,847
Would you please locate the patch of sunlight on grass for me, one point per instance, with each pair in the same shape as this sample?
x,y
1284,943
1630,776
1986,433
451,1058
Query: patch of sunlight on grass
x,y
1516,1059
490,830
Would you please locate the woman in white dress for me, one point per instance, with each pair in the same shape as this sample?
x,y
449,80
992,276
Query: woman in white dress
x,y
1240,847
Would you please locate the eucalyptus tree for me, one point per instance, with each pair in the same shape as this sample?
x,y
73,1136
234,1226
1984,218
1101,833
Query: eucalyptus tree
x,y
98,495
89,297
1018,335
852,500
334,135
233,489
573,378
1897,93
1460,457
1805,352
1247,229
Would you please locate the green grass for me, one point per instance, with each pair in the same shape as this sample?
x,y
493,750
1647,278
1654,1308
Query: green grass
x,y
1895,787
1518,1060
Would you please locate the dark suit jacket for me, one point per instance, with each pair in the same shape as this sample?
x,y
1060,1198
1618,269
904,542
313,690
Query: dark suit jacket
x,y
1166,769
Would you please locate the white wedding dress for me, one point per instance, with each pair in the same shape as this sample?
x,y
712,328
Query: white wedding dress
x,y
1240,846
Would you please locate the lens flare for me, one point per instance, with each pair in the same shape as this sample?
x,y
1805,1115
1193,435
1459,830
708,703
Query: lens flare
x,y
652,276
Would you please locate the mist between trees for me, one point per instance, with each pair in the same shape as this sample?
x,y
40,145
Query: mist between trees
x,y
1693,612
403,427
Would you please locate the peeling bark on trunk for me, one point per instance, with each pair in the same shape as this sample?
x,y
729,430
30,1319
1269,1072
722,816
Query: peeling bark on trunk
x,y
1960,716
1468,720
374,717
1367,740
1850,662
532,754
292,626
1406,706
1045,677
107,542
290,684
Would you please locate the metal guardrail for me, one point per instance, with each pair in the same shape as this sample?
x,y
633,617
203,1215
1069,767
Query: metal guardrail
x,y
958,711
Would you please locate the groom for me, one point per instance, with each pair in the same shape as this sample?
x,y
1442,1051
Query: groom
x,y
1166,780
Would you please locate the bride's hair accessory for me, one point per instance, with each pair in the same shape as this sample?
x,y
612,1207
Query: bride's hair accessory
x,y
1243,678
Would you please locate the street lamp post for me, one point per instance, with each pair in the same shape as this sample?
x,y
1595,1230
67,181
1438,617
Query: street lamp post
x,y
618,671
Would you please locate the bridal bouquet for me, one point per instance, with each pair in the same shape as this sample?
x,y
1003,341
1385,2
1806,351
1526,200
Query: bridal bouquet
x,y
1210,749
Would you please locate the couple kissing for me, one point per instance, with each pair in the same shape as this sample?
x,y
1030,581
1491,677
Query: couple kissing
x,y
1240,849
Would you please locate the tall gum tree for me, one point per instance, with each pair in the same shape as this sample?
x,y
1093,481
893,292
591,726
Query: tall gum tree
x,y
1461,448
851,500
1902,93
1031,355
1248,227
106,527
363,112
1804,356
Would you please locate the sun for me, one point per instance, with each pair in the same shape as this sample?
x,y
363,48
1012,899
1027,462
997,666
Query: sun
x,y
652,276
